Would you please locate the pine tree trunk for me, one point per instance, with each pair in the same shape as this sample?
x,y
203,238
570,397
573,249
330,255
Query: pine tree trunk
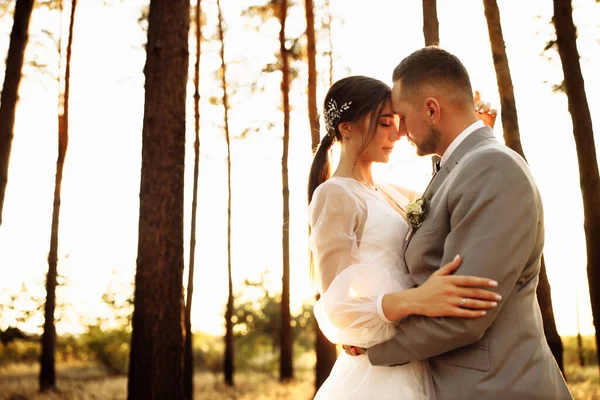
x,y
326,353
157,340
431,33
286,370
512,138
229,350
324,349
47,377
544,297
188,360
327,26
10,89
589,179
510,122
431,29
313,118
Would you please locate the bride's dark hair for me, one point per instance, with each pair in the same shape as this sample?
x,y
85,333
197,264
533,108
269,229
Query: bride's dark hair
x,y
350,99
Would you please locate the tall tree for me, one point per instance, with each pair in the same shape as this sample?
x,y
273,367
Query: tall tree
x,y
188,360
512,138
324,349
327,26
47,377
229,357
312,75
157,342
286,368
431,33
431,29
589,179
10,90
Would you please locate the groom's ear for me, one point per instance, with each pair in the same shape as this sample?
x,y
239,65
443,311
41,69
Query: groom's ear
x,y
432,107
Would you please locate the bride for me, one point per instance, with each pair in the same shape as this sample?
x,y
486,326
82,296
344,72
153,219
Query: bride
x,y
357,228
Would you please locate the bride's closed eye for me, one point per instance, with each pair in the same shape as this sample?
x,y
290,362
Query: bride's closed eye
x,y
388,121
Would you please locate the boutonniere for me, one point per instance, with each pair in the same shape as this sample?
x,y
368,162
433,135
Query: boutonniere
x,y
416,211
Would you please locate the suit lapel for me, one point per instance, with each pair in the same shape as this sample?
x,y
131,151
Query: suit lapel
x,y
469,143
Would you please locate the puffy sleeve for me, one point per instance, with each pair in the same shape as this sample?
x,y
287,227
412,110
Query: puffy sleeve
x,y
347,311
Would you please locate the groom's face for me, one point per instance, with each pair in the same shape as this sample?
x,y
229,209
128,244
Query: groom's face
x,y
415,121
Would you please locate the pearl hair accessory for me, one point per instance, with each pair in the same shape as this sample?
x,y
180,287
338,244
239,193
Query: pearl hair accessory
x,y
333,114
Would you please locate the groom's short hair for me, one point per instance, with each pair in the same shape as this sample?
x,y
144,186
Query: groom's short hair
x,y
432,65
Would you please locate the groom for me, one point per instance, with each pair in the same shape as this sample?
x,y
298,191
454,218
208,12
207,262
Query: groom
x,y
485,206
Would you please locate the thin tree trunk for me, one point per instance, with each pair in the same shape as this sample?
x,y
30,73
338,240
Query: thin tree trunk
x,y
431,33
229,357
330,40
10,89
157,340
544,297
589,179
326,354
312,75
325,350
510,122
431,29
512,138
47,377
188,361
286,369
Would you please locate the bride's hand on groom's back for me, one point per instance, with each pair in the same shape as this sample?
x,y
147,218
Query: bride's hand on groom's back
x,y
446,295
484,111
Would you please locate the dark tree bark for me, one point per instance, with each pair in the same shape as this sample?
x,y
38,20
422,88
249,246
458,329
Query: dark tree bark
x,y
512,138
312,75
589,180
431,29
324,349
431,33
326,353
327,26
157,342
10,89
510,122
229,350
188,360
286,369
47,377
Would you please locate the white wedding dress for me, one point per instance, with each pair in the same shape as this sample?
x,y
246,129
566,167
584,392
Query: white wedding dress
x,y
356,242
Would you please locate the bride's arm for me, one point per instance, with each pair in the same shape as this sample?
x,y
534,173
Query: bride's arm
x,y
347,311
349,286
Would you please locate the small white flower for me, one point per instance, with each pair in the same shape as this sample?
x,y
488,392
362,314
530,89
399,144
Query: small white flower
x,y
416,211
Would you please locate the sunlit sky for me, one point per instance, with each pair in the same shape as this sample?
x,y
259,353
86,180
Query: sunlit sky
x,y
100,197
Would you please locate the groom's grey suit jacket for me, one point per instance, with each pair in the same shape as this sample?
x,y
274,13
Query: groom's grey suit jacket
x,y
485,206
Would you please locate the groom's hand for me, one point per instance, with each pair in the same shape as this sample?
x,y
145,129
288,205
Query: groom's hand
x,y
353,350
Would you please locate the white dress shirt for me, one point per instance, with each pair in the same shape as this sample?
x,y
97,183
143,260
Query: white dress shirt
x,y
459,139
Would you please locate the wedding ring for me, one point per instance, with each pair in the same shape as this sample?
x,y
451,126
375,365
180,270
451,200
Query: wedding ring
x,y
463,301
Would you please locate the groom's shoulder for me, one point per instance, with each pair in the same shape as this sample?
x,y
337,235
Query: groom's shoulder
x,y
493,154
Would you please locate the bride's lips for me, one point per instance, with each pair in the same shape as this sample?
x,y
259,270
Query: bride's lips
x,y
389,149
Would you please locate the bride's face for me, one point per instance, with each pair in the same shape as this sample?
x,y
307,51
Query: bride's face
x,y
386,134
